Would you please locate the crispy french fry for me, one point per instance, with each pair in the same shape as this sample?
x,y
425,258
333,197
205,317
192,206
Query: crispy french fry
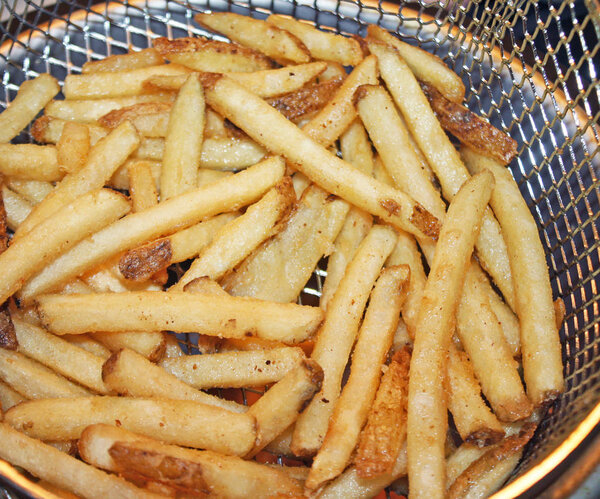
x,y
351,411
337,335
115,83
151,119
279,407
164,218
235,369
61,356
321,44
207,176
183,143
150,345
279,269
173,348
53,237
124,62
334,69
103,159
181,422
16,206
48,130
87,343
427,67
331,173
9,397
540,342
385,432
57,491
278,44
178,311
238,238
29,162
434,331
60,469
33,191
141,263
33,380
118,450
142,188
203,54
106,278
8,338
31,98
443,158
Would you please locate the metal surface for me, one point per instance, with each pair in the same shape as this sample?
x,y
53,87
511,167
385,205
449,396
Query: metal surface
x,y
528,67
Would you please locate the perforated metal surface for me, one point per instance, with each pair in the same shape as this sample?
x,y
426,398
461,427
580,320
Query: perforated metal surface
x,y
528,66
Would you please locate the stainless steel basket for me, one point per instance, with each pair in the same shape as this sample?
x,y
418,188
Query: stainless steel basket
x,y
530,67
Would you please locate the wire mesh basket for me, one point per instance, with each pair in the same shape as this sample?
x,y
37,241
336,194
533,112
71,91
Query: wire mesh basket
x,y
529,67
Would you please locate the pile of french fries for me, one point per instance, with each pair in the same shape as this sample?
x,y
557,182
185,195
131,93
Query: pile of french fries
x,y
252,161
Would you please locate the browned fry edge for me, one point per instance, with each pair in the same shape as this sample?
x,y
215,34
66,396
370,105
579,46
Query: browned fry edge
x,y
139,264
8,337
114,118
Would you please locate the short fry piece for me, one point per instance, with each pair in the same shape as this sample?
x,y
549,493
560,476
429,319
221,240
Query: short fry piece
x,y
30,162
16,206
124,62
73,147
9,397
142,188
31,98
150,345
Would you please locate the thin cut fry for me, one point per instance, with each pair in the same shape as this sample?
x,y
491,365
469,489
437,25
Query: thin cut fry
x,y
73,147
124,62
30,162
31,98
142,188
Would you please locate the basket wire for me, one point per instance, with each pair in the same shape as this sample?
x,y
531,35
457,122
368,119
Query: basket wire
x,y
529,67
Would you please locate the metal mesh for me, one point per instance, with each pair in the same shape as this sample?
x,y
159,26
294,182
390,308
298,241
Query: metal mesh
x,y
528,67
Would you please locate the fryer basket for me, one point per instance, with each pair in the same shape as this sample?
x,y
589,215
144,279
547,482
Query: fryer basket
x,y
529,67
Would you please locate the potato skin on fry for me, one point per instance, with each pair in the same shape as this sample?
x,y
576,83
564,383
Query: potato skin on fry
x,y
141,263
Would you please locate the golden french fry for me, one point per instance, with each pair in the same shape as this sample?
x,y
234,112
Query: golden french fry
x,y
58,468
87,343
203,54
329,172
48,130
151,119
177,213
30,162
31,98
427,414
142,188
103,159
238,238
427,67
181,422
61,356
385,432
16,206
235,369
279,407
9,397
321,44
131,374
181,158
351,410
118,450
278,44
150,345
115,83
124,62
73,147
33,191
540,342
337,335
54,236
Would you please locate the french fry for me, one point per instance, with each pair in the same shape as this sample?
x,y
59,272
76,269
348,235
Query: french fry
x,y
278,44
334,69
9,397
329,172
57,491
427,67
264,83
173,348
120,451
58,468
48,130
235,369
351,411
142,188
106,278
207,176
141,263
124,62
87,343
180,312
321,44
8,338
473,419
182,148
33,191
540,342
203,54
279,407
177,213
103,159
443,158
150,345
151,119
470,129
33,380
337,334
434,331
61,356
52,237
279,269
181,422
131,374
238,238
16,206
115,83
29,162
385,432
31,98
